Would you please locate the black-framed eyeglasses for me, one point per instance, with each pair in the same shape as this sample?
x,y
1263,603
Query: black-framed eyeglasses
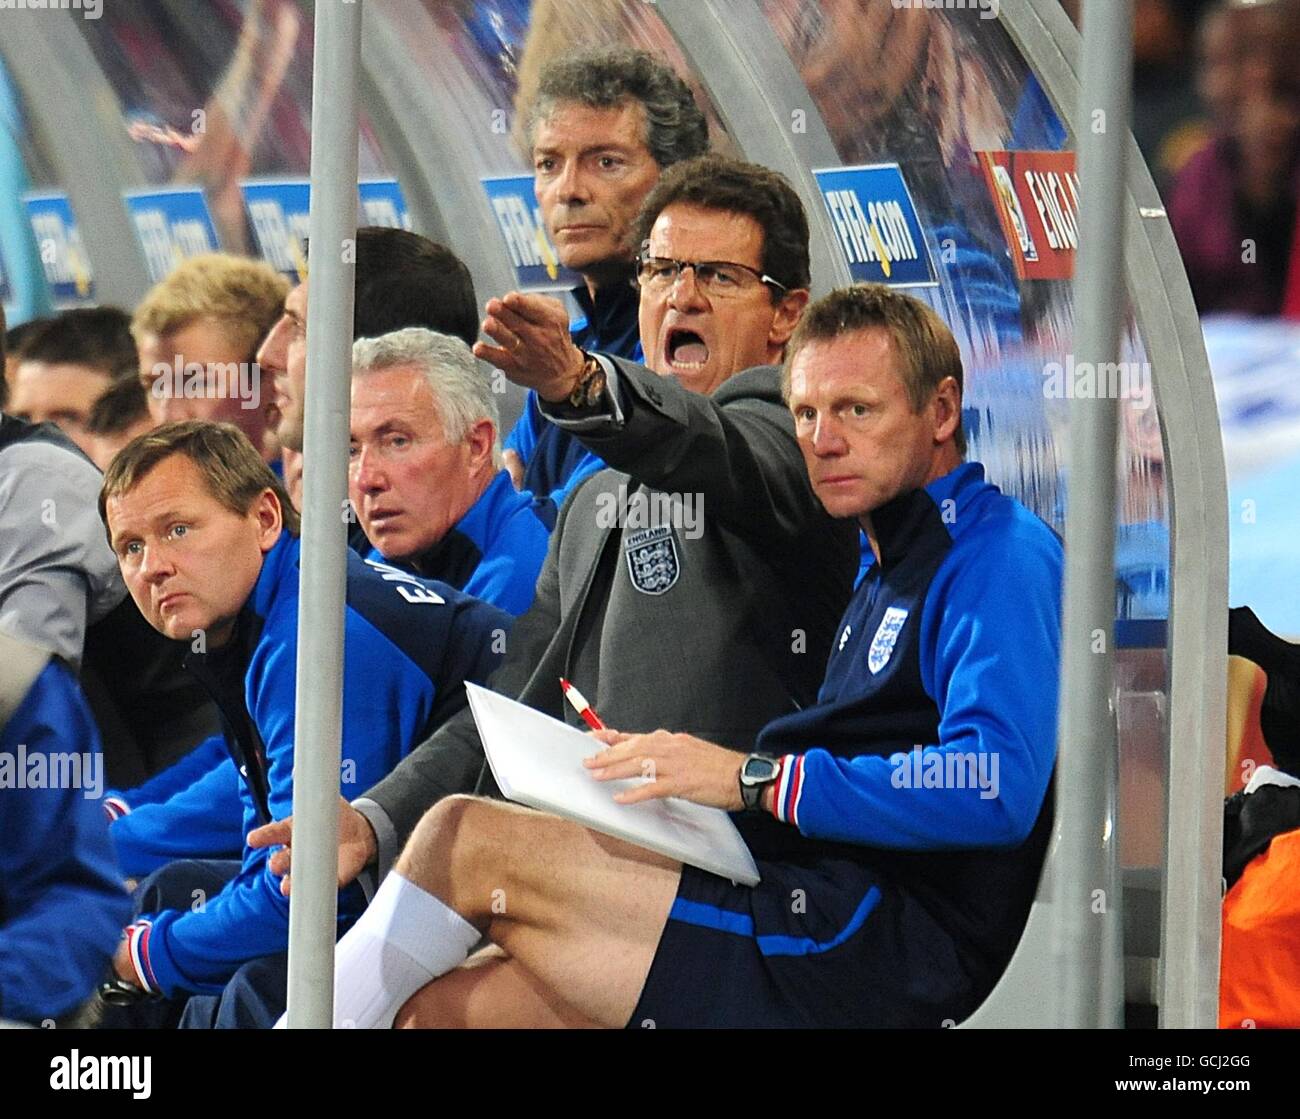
x,y
714,277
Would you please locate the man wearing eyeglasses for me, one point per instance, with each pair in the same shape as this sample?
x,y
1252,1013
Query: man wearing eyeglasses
x,y
697,582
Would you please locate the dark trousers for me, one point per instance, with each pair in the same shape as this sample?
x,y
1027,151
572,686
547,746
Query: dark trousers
x,y
254,998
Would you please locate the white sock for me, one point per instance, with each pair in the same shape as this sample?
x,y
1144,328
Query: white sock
x,y
405,939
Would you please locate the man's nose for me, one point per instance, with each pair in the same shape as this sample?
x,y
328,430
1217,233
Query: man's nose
x,y
827,438
572,184
269,352
367,471
156,563
685,294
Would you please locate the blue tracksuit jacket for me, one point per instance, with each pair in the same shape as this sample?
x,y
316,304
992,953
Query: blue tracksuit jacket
x,y
965,616
192,809
409,647
933,738
62,903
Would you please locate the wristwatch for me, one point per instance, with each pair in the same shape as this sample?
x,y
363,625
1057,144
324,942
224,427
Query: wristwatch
x,y
757,771
116,991
591,384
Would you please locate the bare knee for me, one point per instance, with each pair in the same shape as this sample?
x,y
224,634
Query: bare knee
x,y
455,841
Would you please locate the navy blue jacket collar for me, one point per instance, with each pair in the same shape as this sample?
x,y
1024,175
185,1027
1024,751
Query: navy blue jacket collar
x,y
897,523
612,323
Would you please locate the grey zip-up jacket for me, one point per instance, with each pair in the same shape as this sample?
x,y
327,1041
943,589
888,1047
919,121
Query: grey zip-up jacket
x,y
712,619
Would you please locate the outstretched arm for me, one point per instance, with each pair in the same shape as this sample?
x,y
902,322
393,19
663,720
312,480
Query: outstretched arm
x,y
742,457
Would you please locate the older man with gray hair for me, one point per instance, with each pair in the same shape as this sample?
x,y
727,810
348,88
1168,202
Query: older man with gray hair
x,y
425,473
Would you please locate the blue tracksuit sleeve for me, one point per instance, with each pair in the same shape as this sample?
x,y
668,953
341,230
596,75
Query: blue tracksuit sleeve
x,y
203,821
201,948
990,656
503,580
547,505
62,904
382,713
586,466
523,436
200,761
474,651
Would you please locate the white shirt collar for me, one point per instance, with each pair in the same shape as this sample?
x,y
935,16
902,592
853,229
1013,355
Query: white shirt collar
x,y
1267,775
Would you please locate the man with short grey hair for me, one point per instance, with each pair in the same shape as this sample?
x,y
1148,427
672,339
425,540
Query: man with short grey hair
x,y
425,475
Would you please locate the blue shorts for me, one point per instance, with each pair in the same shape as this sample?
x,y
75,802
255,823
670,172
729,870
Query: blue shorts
x,y
824,940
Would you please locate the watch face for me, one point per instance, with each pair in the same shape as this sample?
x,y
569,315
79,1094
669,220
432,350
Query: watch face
x,y
759,769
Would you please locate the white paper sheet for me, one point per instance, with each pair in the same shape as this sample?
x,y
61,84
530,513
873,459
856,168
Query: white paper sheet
x,y
537,761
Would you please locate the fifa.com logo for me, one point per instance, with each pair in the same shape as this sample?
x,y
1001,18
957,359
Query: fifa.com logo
x,y
988,9
217,380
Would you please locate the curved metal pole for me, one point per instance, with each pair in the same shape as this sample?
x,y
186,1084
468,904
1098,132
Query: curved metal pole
x,y
425,145
1089,885
757,89
1198,528
319,692
44,51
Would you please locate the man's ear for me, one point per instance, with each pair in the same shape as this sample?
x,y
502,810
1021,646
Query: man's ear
x,y
480,439
788,313
270,519
947,409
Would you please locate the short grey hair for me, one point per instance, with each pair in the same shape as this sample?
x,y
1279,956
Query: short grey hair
x,y
604,78
460,387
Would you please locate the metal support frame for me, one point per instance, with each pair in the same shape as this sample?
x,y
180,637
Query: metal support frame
x,y
756,89
1198,526
323,583
1087,763
75,115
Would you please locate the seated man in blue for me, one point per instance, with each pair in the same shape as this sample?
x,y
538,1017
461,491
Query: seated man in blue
x,y
425,474
207,543
426,482
61,902
898,824
401,280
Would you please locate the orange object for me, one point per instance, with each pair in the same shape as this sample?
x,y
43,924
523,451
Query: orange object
x,y
1259,985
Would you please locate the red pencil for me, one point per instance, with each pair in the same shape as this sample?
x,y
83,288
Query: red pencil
x,y
579,703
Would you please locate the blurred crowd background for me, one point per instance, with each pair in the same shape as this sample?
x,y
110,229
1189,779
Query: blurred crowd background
x,y
1217,115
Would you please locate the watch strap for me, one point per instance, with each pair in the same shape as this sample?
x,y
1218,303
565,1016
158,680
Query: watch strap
x,y
751,793
591,384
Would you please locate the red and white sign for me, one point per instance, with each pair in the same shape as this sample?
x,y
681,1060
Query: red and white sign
x,y
1037,199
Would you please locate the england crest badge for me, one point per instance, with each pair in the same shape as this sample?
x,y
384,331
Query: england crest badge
x,y
652,559
882,645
